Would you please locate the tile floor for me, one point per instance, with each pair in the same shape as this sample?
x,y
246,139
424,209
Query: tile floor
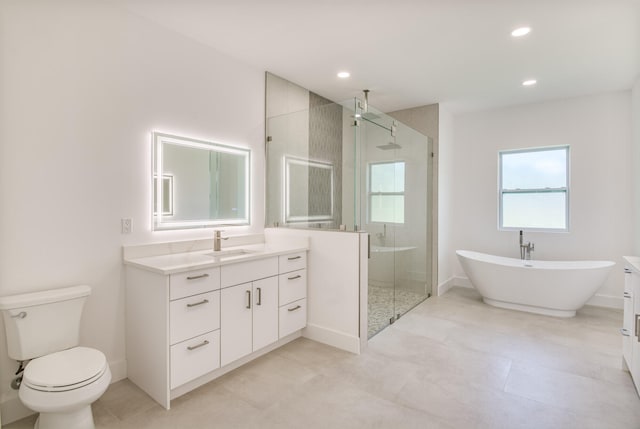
x,y
452,362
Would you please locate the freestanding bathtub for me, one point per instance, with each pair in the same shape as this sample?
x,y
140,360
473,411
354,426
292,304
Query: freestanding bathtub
x,y
554,288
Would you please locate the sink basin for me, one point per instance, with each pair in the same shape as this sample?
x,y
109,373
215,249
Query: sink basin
x,y
224,254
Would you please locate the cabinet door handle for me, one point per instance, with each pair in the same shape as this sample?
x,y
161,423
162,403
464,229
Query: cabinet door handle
x,y
197,346
201,276
204,301
626,295
293,258
295,277
248,299
635,334
294,308
259,296
625,332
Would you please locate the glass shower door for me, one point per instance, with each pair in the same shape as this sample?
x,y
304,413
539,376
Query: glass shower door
x,y
382,209
394,163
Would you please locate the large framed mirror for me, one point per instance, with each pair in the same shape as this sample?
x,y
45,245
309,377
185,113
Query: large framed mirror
x,y
198,183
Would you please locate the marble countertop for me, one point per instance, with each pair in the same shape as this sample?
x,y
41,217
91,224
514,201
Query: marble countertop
x,y
633,262
186,261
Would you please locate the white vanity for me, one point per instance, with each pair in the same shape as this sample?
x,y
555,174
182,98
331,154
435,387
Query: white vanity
x,y
631,320
194,316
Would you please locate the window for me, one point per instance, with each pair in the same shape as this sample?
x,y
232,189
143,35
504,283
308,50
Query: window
x,y
386,192
534,189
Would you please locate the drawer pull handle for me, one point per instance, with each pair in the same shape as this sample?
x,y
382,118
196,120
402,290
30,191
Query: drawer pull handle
x,y
626,295
201,276
197,346
293,258
625,332
627,271
204,301
294,308
259,296
248,299
295,277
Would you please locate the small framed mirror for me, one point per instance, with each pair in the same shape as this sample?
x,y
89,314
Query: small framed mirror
x,y
203,183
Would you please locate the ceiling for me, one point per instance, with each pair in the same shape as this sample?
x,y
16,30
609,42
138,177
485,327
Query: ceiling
x,y
415,52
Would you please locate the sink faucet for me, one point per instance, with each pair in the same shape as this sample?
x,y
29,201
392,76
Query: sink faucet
x,y
216,240
525,249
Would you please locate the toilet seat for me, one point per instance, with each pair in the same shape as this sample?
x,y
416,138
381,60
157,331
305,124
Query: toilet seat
x,y
65,370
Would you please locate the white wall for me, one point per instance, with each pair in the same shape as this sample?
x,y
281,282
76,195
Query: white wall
x,y
598,128
445,196
82,88
635,106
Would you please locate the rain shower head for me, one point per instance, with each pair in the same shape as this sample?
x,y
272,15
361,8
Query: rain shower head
x,y
389,146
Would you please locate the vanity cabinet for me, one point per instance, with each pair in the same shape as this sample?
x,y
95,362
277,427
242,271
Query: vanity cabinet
x,y
631,320
186,328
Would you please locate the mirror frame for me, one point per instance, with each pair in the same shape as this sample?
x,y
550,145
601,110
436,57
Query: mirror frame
x,y
159,222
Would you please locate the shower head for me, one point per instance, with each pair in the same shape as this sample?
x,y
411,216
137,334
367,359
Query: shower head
x,y
389,146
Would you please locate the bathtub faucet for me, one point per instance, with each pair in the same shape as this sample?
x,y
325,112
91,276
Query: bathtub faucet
x,y
525,249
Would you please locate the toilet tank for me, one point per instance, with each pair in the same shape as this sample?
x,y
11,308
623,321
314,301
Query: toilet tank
x,y
40,323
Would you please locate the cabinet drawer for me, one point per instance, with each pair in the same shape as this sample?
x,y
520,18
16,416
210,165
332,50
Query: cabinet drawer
x,y
292,262
193,282
293,317
244,272
191,316
195,357
292,286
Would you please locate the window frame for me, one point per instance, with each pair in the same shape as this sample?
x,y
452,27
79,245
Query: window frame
x,y
370,194
565,189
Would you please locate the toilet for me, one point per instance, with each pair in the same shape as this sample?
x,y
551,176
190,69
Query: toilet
x,y
61,379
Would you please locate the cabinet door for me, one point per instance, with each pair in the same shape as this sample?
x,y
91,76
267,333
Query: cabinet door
x,y
635,348
265,312
628,327
235,322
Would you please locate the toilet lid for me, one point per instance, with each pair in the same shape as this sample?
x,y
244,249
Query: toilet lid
x,y
65,370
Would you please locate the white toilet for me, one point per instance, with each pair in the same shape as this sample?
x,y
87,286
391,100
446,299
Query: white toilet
x,y
62,380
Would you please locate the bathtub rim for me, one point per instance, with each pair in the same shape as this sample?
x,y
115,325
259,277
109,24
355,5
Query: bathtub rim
x,y
535,263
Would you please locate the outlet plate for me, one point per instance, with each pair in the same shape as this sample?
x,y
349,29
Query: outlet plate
x,y
126,225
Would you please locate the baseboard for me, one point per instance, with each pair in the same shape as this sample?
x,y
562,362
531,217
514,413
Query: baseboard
x,y
445,286
13,409
462,282
332,338
608,301
118,370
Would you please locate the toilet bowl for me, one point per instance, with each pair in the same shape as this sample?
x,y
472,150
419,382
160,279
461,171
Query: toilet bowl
x,y
61,379
62,386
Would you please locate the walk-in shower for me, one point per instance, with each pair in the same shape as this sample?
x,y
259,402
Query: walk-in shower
x,y
348,166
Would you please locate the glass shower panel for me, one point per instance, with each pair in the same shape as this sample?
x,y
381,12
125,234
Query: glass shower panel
x,y
395,163
412,250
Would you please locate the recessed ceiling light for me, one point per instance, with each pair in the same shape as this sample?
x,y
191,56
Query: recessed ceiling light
x,y
344,74
529,82
519,32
